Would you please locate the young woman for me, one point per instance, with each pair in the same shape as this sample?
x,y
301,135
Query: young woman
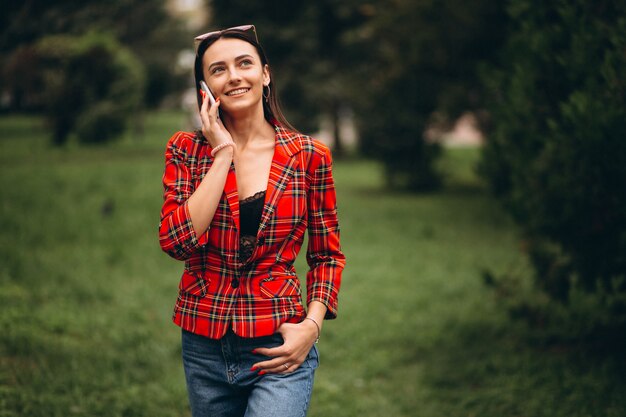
x,y
239,196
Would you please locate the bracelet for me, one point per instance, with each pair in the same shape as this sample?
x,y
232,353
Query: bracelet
x,y
220,147
318,328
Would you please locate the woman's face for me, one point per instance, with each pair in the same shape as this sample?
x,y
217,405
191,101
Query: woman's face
x,y
234,72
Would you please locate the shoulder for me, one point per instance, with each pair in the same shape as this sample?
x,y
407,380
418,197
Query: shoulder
x,y
314,146
318,154
182,139
310,148
185,143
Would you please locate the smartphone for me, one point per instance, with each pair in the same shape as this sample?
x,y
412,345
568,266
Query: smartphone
x,y
205,88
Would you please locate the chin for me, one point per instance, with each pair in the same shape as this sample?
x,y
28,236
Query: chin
x,y
243,106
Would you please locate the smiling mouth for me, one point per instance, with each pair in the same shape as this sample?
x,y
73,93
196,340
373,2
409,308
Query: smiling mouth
x,y
237,91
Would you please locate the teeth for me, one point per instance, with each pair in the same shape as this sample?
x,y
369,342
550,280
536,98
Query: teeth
x,y
239,91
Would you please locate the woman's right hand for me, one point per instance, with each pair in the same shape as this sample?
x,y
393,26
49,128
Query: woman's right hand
x,y
212,127
204,200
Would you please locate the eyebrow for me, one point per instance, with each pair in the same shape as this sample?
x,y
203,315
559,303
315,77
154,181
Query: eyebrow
x,y
240,57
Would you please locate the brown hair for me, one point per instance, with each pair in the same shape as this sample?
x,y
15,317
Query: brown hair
x,y
271,107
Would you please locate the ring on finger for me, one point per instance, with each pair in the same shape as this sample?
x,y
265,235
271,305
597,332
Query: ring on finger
x,y
286,365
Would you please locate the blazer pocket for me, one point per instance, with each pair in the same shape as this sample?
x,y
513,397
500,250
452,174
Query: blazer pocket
x,y
274,287
193,284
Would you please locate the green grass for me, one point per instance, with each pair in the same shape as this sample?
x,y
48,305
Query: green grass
x,y
86,295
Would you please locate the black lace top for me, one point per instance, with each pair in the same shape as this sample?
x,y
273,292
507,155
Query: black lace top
x,y
250,210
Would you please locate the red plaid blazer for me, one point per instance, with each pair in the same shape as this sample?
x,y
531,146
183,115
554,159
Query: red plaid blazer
x,y
300,195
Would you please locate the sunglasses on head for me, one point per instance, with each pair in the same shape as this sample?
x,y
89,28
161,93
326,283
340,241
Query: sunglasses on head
x,y
248,30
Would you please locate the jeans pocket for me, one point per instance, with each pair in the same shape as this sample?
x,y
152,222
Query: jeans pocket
x,y
312,359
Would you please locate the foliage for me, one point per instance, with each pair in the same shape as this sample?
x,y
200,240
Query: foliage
x,y
22,77
556,154
394,62
87,296
420,59
91,84
311,52
145,27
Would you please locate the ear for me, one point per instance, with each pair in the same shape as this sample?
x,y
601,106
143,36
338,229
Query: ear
x,y
266,75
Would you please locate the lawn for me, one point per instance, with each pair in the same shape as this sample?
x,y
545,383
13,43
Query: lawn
x,y
87,295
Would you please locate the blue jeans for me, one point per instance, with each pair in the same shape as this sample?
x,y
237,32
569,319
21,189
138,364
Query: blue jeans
x,y
220,383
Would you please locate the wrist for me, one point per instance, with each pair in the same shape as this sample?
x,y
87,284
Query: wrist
x,y
226,153
224,148
315,326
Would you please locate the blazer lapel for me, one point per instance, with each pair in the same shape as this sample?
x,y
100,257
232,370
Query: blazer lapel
x,y
283,167
230,189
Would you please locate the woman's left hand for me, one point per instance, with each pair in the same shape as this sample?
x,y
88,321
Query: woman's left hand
x,y
298,340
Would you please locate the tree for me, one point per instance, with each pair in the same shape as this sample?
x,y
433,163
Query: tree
x,y
92,86
420,57
306,46
556,154
143,26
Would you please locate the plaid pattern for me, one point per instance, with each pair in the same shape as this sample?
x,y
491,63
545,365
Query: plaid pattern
x,y
300,195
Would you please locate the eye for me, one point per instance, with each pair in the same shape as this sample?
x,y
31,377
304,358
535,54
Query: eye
x,y
246,63
216,69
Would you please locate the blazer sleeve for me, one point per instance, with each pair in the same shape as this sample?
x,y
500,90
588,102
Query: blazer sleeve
x,y
177,236
324,255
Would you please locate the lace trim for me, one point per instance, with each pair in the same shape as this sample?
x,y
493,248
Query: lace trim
x,y
253,197
246,247
247,243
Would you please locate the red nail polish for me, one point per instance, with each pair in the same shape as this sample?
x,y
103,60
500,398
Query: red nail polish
x,y
262,373
253,368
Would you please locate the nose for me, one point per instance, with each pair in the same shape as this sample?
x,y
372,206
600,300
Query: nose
x,y
234,77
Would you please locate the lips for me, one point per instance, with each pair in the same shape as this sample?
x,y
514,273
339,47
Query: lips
x,y
237,91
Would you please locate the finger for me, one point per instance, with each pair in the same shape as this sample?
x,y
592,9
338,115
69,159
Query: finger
x,y
271,352
271,364
204,108
285,368
288,368
214,109
204,100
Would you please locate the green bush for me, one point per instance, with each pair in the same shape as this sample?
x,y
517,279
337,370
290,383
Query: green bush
x,y
420,60
92,86
147,28
556,150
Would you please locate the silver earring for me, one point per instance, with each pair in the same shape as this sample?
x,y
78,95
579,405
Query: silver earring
x,y
266,96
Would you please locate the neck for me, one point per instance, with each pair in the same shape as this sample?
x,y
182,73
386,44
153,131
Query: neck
x,y
246,127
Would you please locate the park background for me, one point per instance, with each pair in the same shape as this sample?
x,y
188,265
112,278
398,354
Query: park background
x,y
483,279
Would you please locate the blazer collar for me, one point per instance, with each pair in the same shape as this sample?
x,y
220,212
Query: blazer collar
x,y
287,142
287,145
